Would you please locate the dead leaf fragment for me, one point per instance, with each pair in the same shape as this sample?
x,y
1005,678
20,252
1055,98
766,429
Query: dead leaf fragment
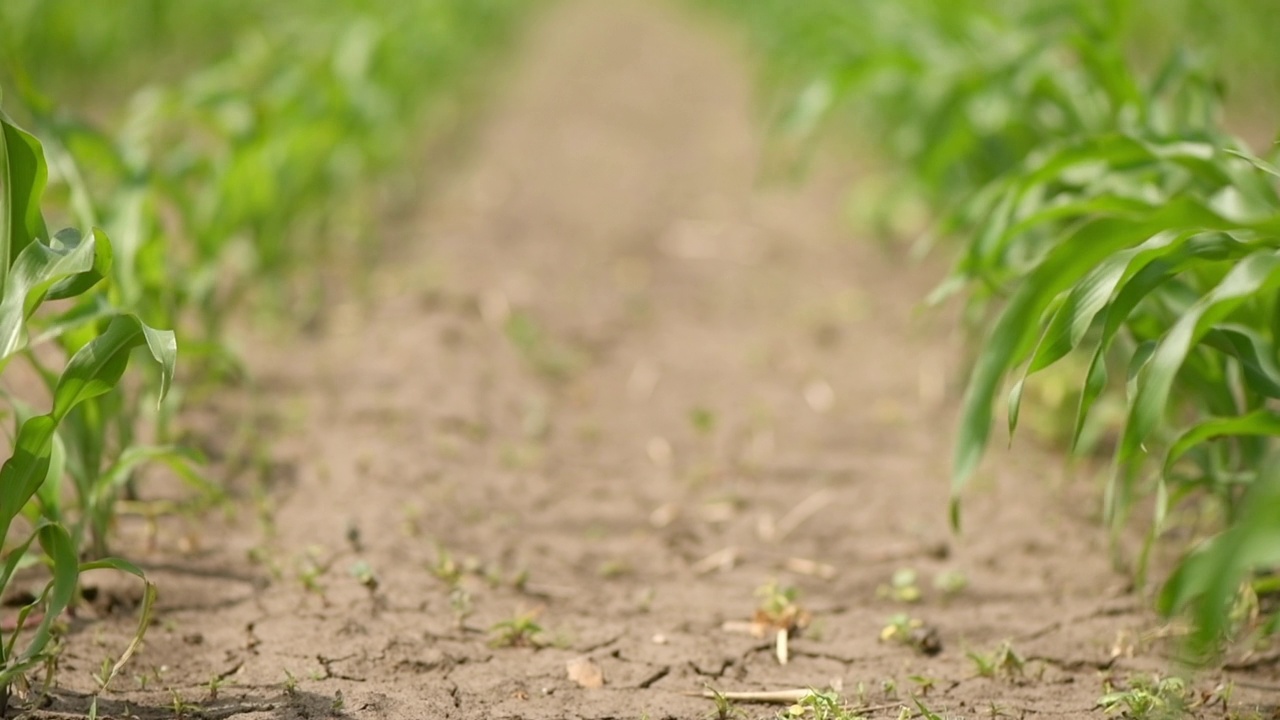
x,y
585,672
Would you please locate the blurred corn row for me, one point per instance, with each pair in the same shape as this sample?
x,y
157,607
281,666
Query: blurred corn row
x,y
1100,213
205,155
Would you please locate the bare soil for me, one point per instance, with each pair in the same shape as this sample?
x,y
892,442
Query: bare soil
x,y
613,382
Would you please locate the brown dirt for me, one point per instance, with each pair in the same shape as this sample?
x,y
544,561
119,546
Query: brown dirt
x,y
621,384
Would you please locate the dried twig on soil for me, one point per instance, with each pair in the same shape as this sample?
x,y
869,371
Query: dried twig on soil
x,y
721,560
805,566
779,697
800,514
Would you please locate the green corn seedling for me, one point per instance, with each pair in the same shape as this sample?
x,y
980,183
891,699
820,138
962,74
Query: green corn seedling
x,y
39,268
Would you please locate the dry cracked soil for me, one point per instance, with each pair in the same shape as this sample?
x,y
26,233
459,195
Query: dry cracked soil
x,y
611,386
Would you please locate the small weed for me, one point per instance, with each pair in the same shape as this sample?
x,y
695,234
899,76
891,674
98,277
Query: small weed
x,y
1003,662
924,683
446,568
1147,698
551,359
290,684
913,633
819,706
460,604
182,708
522,630
522,456
259,555
520,580
903,587
995,710
364,575
724,707
702,420
778,608
950,582
925,712
311,569
215,684
614,568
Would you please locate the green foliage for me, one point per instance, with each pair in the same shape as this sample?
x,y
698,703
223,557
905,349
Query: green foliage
x,y
244,165
1102,212
33,268
521,630
1148,699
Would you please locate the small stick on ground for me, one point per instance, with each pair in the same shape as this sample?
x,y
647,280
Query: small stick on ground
x,y
779,697
797,516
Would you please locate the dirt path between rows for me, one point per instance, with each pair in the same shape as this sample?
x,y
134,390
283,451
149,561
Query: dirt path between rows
x,y
613,380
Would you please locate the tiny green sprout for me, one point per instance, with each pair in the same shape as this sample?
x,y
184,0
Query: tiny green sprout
x,y
776,600
519,631
445,567
339,702
182,708
951,582
103,674
724,707
924,683
913,633
995,710
492,574
702,420
614,568
216,682
778,609
460,604
520,580
889,688
364,575
311,569
819,706
1003,662
1148,699
902,587
290,684
925,712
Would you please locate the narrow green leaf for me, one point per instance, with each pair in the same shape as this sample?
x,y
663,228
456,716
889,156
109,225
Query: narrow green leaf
x,y
181,460
144,612
1255,354
92,371
97,272
38,266
1206,581
23,174
56,543
1262,422
1257,273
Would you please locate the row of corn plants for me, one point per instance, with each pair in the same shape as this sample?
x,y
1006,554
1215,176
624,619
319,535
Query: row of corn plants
x,y
197,195
1105,221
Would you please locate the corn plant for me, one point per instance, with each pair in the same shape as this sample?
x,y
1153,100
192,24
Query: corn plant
x,y
39,267
1102,213
247,163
